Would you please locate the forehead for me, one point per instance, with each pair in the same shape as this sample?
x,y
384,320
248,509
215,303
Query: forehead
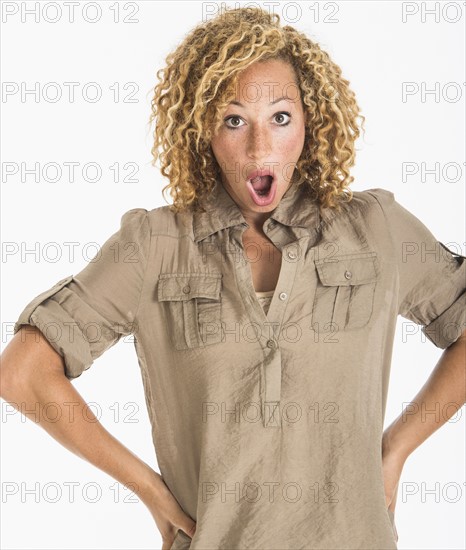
x,y
267,82
275,67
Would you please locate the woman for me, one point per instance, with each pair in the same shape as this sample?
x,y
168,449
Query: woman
x,y
264,303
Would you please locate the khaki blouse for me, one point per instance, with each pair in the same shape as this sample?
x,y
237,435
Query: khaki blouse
x,y
267,415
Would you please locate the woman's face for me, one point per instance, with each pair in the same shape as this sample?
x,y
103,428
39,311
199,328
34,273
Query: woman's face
x,y
264,132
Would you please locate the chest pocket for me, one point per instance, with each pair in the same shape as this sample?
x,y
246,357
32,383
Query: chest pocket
x,y
192,305
344,297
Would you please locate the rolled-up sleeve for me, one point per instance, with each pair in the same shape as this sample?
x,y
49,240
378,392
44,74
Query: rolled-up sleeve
x,y
83,315
432,276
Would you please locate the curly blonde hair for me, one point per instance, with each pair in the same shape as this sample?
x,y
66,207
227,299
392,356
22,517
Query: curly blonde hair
x,y
199,81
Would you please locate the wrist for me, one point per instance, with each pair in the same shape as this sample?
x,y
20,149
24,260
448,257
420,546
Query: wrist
x,y
147,488
394,444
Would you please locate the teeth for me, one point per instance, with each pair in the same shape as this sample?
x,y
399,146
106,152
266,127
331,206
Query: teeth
x,y
257,180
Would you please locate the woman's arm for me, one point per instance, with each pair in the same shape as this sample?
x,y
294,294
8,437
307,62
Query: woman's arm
x,y
445,386
445,391
32,374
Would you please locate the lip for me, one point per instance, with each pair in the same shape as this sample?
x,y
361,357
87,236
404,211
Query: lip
x,y
255,173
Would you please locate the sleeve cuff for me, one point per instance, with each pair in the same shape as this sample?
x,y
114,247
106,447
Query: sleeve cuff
x,y
59,314
448,327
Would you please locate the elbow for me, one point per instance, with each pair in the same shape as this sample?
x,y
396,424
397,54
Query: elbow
x,y
27,358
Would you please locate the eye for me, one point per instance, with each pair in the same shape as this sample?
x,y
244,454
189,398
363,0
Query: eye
x,y
238,118
233,117
281,114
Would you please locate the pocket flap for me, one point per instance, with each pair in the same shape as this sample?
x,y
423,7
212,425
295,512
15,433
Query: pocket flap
x,y
186,286
348,269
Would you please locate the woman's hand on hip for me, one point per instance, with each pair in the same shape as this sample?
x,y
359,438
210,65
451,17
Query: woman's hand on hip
x,y
167,513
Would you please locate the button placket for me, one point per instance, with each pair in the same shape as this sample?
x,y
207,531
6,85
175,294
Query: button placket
x,y
273,363
285,282
270,324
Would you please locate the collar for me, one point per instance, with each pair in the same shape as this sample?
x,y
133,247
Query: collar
x,y
296,209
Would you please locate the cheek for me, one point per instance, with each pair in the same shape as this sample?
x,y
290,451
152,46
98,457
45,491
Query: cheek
x,y
290,151
295,142
223,148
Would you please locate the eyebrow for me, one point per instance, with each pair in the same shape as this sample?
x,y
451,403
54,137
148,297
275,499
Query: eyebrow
x,y
271,103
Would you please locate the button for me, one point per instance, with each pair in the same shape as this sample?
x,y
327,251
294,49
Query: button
x,y
187,289
348,274
271,344
292,255
283,296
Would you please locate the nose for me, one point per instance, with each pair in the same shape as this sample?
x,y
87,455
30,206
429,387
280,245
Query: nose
x,y
259,142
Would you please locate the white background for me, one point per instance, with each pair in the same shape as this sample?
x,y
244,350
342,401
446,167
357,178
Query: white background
x,y
377,52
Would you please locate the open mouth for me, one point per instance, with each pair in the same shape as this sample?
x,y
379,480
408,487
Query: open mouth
x,y
262,185
262,189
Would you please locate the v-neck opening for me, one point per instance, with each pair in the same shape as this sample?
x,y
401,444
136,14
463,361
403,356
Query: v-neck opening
x,y
265,294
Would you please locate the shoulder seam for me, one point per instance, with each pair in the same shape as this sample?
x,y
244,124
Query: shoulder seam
x,y
143,283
